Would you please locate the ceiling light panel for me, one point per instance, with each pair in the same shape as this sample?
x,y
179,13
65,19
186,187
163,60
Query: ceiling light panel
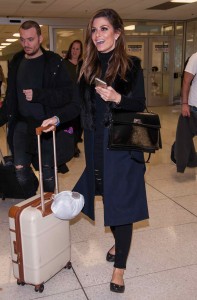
x,y
5,44
11,40
184,1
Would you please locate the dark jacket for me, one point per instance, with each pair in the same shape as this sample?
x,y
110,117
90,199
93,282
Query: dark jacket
x,y
124,192
58,96
3,114
184,149
131,90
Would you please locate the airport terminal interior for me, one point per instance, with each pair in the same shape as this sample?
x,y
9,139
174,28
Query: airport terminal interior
x,y
162,262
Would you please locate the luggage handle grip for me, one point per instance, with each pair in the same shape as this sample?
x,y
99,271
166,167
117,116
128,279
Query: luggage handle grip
x,y
40,129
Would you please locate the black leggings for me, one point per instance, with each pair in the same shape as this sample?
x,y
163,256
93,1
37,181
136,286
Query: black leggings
x,y
122,235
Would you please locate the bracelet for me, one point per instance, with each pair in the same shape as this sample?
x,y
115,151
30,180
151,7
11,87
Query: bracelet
x,y
58,121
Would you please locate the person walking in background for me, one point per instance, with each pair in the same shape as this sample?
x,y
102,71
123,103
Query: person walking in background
x,y
2,78
74,62
183,152
184,149
189,87
39,87
115,175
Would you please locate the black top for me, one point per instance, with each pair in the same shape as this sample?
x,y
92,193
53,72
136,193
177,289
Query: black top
x,y
101,105
104,59
72,70
29,76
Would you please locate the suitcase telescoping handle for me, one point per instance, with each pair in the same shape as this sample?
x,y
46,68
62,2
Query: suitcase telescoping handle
x,y
39,131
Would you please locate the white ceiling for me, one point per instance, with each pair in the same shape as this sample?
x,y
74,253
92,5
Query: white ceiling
x,y
83,9
128,9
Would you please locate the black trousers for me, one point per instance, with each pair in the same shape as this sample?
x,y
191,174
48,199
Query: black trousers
x,y
25,175
122,235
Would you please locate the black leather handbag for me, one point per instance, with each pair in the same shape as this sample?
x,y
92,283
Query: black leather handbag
x,y
138,131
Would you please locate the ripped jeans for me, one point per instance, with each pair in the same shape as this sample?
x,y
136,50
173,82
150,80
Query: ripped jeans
x,y
23,160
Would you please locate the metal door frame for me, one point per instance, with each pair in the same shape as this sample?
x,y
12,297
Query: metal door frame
x,y
147,63
159,39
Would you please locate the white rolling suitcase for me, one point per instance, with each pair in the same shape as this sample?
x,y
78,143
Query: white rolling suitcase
x,y
40,242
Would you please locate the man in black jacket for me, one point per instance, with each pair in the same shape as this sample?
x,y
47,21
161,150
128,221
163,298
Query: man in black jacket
x,y
39,87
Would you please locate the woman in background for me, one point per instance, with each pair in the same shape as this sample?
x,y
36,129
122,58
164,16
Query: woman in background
x,y
74,62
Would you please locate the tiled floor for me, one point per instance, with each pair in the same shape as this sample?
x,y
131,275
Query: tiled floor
x,y
162,263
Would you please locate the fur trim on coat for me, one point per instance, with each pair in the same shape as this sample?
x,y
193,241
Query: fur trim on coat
x,y
123,87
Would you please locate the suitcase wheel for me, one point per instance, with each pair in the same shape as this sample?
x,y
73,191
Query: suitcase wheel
x,y
39,288
20,282
68,265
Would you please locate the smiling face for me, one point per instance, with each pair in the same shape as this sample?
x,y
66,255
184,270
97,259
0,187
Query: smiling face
x,y
103,35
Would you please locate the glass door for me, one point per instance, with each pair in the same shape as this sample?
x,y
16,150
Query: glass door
x,y
139,47
160,71
61,38
156,54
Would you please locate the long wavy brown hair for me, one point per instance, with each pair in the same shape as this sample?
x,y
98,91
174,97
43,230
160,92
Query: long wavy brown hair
x,y
118,63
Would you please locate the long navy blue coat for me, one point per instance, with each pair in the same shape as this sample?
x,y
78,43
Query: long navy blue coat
x,y
124,192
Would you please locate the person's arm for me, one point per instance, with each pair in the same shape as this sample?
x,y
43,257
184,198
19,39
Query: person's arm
x,y
70,112
187,79
53,121
108,94
67,113
57,90
134,99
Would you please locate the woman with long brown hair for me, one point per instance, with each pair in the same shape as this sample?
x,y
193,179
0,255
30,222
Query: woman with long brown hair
x,y
115,175
112,174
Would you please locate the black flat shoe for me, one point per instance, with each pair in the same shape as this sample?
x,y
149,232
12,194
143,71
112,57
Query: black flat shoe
x,y
110,257
117,288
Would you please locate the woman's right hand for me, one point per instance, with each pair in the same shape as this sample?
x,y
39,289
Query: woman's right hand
x,y
108,94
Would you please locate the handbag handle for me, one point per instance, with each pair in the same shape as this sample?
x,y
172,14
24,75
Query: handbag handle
x,y
142,162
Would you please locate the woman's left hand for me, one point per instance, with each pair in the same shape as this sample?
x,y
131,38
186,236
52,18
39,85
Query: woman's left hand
x,y
108,94
51,121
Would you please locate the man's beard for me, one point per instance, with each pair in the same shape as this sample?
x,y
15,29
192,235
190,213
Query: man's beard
x,y
32,53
